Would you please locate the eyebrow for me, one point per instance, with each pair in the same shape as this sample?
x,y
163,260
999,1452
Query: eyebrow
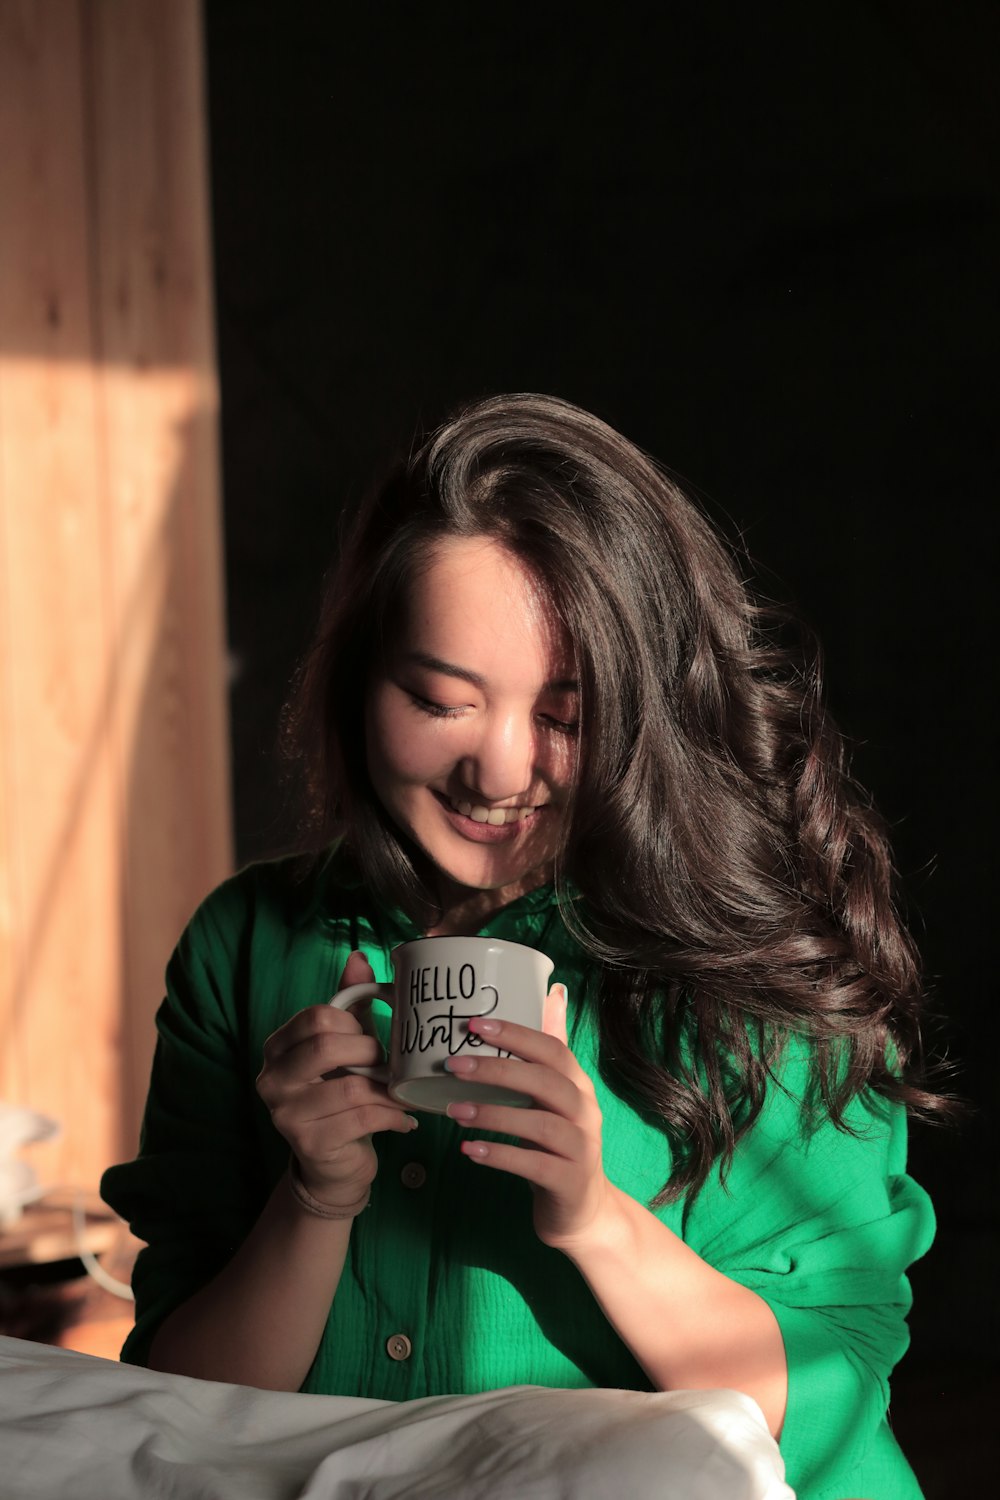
x,y
449,669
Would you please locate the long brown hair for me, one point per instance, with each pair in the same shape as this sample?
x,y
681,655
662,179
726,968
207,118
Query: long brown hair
x,y
737,885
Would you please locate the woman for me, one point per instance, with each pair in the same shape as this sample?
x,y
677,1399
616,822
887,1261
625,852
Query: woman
x,y
541,705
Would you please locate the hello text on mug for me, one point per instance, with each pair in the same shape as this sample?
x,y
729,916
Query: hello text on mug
x,y
425,1024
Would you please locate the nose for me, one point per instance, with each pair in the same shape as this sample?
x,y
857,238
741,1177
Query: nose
x,y
500,765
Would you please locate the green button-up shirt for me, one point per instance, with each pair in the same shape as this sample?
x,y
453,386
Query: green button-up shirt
x,y
446,1288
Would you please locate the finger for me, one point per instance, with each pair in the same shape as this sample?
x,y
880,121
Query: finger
x,y
314,1020
357,970
546,1131
554,1013
526,1042
341,1095
537,1167
548,1088
317,1058
329,1134
321,1051
337,1111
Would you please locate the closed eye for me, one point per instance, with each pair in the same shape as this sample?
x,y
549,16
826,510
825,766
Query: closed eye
x,y
436,710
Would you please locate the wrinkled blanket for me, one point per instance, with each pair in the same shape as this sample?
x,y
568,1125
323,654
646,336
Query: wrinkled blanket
x,y
73,1427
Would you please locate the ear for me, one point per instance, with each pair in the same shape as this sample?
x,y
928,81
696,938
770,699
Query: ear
x,y
554,1013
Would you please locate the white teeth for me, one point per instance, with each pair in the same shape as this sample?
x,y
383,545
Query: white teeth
x,y
495,816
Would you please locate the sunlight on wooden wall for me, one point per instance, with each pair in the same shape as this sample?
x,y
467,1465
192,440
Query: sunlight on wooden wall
x,y
114,797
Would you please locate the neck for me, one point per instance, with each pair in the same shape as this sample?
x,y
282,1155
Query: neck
x,y
464,911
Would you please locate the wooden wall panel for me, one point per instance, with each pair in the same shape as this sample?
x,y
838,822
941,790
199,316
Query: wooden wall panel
x,y
63,937
153,310
114,804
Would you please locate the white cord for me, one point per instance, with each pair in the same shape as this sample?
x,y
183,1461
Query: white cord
x,y
86,1257
89,1261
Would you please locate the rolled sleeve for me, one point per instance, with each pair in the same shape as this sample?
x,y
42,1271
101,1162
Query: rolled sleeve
x,y
823,1226
194,1189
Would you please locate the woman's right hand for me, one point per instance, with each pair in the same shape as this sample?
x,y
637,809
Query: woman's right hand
x,y
326,1116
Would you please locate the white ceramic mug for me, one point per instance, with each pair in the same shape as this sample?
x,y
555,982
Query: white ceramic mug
x,y
440,984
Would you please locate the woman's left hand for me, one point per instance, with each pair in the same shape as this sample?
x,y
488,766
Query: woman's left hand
x,y
561,1134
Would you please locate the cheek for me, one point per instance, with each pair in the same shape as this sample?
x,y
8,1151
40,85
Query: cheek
x,y
561,761
400,748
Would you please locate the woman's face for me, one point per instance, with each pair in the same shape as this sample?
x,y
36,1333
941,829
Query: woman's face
x,y
471,725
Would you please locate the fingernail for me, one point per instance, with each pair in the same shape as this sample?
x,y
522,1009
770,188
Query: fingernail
x,y
460,1064
486,1027
413,1122
462,1111
478,1150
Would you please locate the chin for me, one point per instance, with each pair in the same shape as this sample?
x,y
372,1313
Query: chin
x,y
487,871
492,877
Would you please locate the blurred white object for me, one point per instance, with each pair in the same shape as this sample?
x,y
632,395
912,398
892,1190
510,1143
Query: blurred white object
x,y
92,1429
18,1182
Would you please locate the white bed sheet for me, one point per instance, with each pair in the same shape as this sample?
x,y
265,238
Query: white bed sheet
x,y
73,1427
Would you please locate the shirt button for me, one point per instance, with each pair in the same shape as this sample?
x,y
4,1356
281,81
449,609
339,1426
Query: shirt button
x,y
413,1175
399,1346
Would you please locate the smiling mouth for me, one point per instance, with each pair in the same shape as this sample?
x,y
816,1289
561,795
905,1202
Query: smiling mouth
x,y
496,817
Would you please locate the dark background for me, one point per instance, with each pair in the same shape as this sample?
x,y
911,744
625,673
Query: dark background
x,y
761,240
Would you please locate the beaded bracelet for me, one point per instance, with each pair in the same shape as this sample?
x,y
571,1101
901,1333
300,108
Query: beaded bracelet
x,y
312,1205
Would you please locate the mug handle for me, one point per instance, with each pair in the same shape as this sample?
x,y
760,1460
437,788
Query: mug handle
x,y
344,1000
